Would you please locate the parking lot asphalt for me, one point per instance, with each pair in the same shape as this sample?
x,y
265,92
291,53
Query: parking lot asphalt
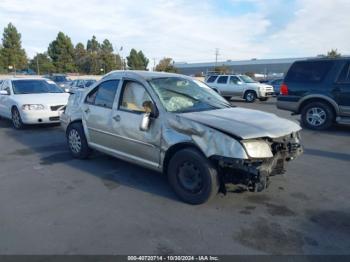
x,y
53,204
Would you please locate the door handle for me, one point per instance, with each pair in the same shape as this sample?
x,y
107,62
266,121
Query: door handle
x,y
116,118
87,110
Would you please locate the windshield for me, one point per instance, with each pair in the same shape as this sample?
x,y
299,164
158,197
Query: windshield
x,y
35,87
89,82
181,95
247,79
60,79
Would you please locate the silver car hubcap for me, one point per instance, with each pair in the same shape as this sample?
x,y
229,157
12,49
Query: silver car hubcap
x,y
316,116
16,119
250,96
74,141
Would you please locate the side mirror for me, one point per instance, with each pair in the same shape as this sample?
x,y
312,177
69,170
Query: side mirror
x,y
150,108
4,93
239,82
145,122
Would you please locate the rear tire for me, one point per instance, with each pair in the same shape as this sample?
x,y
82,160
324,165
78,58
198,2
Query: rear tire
x,y
192,176
250,96
317,116
16,119
77,142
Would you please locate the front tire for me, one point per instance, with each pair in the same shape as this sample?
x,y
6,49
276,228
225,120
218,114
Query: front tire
x,y
317,116
250,96
77,142
193,177
16,119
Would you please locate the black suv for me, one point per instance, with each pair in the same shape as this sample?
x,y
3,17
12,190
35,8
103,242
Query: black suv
x,y
319,90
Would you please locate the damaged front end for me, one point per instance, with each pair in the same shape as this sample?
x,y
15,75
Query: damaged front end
x,y
254,173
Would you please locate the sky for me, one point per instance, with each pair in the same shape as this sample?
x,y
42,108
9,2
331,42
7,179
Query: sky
x,y
187,31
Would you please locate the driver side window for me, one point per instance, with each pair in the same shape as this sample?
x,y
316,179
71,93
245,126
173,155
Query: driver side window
x,y
135,98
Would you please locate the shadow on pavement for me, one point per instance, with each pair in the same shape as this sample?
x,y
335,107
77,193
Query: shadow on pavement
x,y
112,171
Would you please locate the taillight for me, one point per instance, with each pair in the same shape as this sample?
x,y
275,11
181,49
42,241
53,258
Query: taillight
x,y
284,89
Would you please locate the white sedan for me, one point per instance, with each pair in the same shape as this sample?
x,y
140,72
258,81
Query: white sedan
x,y
31,101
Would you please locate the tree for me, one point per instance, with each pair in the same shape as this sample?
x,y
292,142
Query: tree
x,y
110,61
144,60
42,64
61,51
93,45
12,53
137,60
166,65
333,54
94,63
81,58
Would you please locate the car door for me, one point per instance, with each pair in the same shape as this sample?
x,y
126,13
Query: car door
x,y
131,142
222,86
5,100
235,85
341,90
97,113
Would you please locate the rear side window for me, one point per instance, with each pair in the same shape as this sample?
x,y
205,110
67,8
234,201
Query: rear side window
x,y
211,79
104,94
344,76
222,79
308,72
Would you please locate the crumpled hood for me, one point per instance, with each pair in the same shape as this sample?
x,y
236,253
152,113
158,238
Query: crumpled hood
x,y
44,99
245,123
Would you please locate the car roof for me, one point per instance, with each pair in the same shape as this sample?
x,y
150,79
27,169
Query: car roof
x,y
145,75
344,58
27,78
228,75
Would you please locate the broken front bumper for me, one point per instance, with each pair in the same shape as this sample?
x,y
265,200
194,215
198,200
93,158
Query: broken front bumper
x,y
254,173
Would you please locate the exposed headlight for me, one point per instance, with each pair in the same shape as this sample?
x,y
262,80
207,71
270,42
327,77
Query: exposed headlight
x,y
257,148
33,107
262,88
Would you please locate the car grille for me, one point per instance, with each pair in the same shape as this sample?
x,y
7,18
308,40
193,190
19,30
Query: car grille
x,y
54,118
55,108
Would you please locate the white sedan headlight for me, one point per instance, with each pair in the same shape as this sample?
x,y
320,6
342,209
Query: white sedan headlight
x,y
33,107
257,148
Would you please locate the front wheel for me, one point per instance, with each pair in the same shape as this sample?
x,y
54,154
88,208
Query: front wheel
x,y
16,119
317,116
250,96
192,176
77,142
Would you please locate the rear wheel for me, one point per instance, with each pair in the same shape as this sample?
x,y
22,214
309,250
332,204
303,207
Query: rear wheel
x,y
77,142
250,96
16,119
317,116
192,176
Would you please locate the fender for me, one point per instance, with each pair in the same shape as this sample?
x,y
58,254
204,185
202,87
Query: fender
x,y
319,96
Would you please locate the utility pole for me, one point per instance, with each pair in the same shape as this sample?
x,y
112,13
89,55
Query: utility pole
x,y
154,64
216,56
